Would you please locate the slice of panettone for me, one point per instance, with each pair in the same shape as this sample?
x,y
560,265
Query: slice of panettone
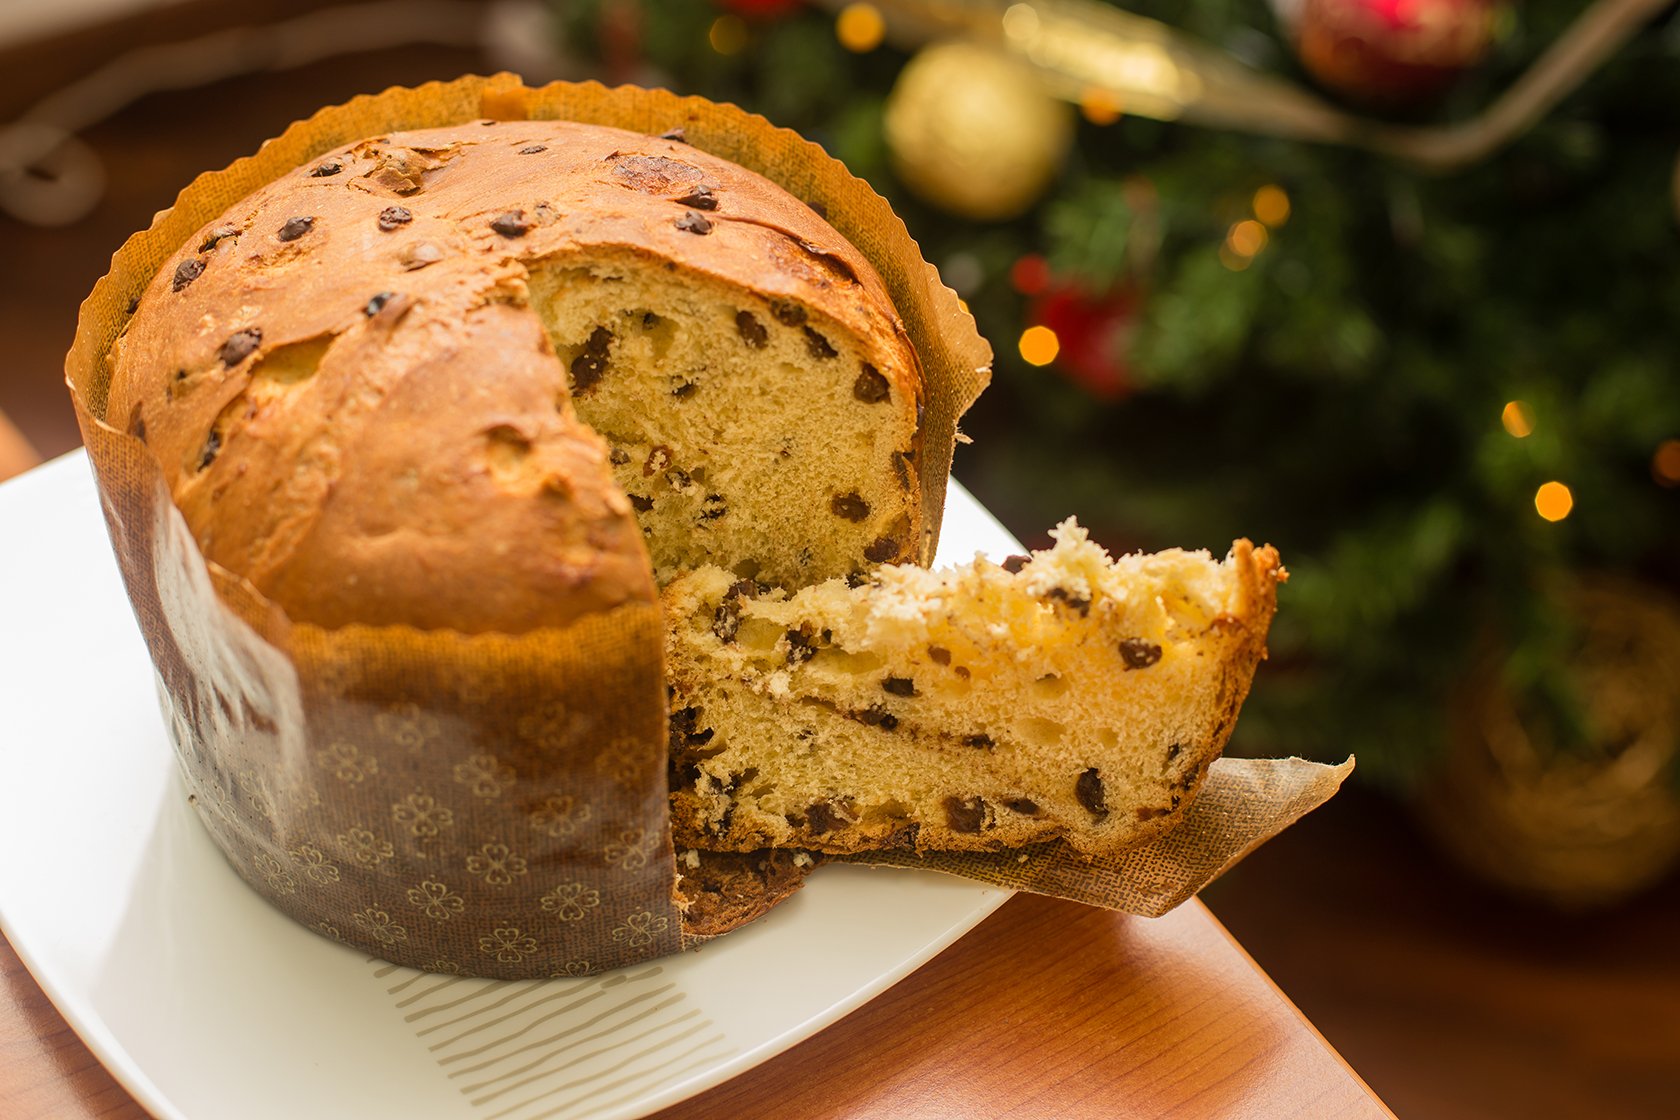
x,y
1068,695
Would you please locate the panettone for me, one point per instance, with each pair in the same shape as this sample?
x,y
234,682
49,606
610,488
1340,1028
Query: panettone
x,y
1069,695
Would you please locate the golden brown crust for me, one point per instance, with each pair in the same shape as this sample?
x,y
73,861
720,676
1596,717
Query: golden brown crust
x,y
347,409
721,891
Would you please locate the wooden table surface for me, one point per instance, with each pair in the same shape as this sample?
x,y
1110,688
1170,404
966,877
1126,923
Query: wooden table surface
x,y
1046,1009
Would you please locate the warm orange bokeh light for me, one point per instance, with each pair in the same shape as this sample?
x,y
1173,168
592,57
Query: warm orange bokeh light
x,y
1246,237
1665,464
1553,501
1039,345
1099,105
860,27
728,35
1518,419
1271,205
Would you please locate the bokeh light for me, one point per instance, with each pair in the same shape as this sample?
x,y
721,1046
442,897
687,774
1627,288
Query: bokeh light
x,y
1518,418
1553,501
728,35
860,27
1039,345
1665,464
1271,205
1099,106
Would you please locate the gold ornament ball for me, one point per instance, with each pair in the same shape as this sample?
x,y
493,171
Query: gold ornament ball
x,y
974,132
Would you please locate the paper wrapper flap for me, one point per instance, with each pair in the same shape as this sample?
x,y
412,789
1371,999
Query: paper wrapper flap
x,y
1243,803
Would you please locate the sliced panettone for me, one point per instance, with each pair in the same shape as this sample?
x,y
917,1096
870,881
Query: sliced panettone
x,y
1069,695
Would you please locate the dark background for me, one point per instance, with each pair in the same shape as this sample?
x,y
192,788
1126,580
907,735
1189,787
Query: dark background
x,y
1451,1000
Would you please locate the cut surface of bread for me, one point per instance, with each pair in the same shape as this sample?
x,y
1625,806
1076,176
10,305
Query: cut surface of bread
x,y
1070,695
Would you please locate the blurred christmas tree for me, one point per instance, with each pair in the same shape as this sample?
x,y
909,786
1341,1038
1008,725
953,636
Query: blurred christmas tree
x,y
1443,395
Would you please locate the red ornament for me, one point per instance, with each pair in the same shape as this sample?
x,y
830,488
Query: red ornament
x,y
1095,333
1392,51
759,9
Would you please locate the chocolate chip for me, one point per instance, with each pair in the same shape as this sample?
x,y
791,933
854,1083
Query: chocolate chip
x,y
393,216
856,579
684,391
1089,790
752,331
240,345
1025,806
692,222
589,366
212,447
419,255
642,504
649,320
676,134
511,224
900,686
713,508
533,149
700,198
851,506
325,168
824,816
1139,654
876,716
618,456
1013,564
295,228
965,814
881,550
939,655
983,742
726,622
682,722
220,233
186,272
870,387
819,346
799,646
787,314
377,303
658,458
1074,602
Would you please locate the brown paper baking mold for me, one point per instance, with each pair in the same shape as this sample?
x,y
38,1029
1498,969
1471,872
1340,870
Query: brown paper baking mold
x,y
494,804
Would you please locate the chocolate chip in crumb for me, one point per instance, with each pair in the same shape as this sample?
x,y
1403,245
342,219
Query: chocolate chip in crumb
x,y
658,458
1138,653
851,506
939,655
1089,790
824,816
965,814
700,198
787,314
240,345
642,504
1025,806
818,346
590,365
752,331
799,646
377,303
1013,564
684,391
393,216
1074,602
982,742
900,686
325,168
533,149
870,387
877,716
693,222
881,550
713,508
511,224
212,447
186,272
856,579
619,456
676,134
295,228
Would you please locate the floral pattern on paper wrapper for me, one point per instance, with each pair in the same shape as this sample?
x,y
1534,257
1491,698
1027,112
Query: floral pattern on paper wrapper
x,y
496,864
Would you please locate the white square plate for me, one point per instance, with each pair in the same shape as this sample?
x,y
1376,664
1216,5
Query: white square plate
x,y
206,1003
